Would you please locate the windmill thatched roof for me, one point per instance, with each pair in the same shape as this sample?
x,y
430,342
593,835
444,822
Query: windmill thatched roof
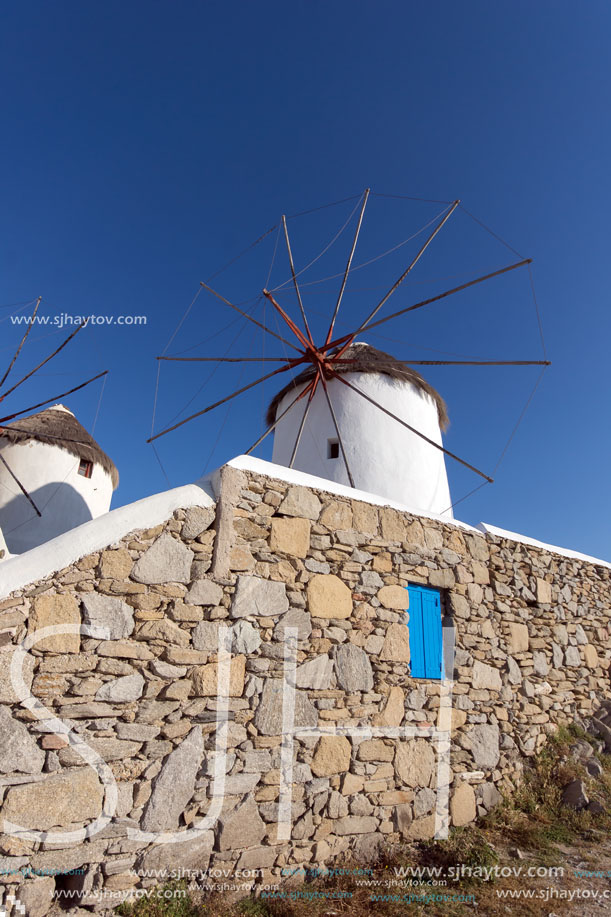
x,y
367,359
57,426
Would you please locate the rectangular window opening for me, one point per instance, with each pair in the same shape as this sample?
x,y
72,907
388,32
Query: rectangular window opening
x,y
85,468
332,448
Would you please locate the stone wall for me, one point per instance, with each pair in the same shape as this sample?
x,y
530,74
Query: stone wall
x,y
532,650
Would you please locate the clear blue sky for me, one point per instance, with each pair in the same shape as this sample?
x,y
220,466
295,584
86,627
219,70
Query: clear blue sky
x,y
146,143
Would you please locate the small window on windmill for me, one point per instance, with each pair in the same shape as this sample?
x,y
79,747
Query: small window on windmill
x,y
332,448
85,468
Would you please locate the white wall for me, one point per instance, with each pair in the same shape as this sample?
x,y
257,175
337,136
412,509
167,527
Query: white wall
x,y
385,458
65,497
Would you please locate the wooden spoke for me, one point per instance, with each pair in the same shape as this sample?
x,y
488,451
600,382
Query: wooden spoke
x,y
19,484
306,411
289,321
413,429
348,265
339,435
246,315
36,368
432,299
273,425
281,369
54,398
295,284
23,340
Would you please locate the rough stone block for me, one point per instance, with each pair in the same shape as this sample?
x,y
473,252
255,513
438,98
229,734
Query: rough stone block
x,y
174,786
241,828
64,799
336,516
290,536
375,750
166,561
256,596
56,610
165,631
544,592
315,673
107,748
246,637
483,743
394,709
197,520
300,501
294,618
109,614
19,751
8,692
462,805
205,678
486,677
355,824
332,756
268,717
204,592
394,597
396,644
36,896
122,690
517,638
415,762
328,597
166,858
352,668
116,564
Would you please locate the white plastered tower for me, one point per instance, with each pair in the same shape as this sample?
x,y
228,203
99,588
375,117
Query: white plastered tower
x,y
62,468
385,457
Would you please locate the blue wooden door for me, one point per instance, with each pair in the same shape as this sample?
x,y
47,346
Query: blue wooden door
x,y
425,634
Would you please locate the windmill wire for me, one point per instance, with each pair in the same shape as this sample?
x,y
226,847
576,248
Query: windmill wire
x,y
182,320
209,377
344,200
324,251
271,267
17,311
216,274
376,258
539,322
404,197
491,231
226,327
161,464
43,337
242,253
246,250
155,398
507,444
466,497
95,419
21,302
520,418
